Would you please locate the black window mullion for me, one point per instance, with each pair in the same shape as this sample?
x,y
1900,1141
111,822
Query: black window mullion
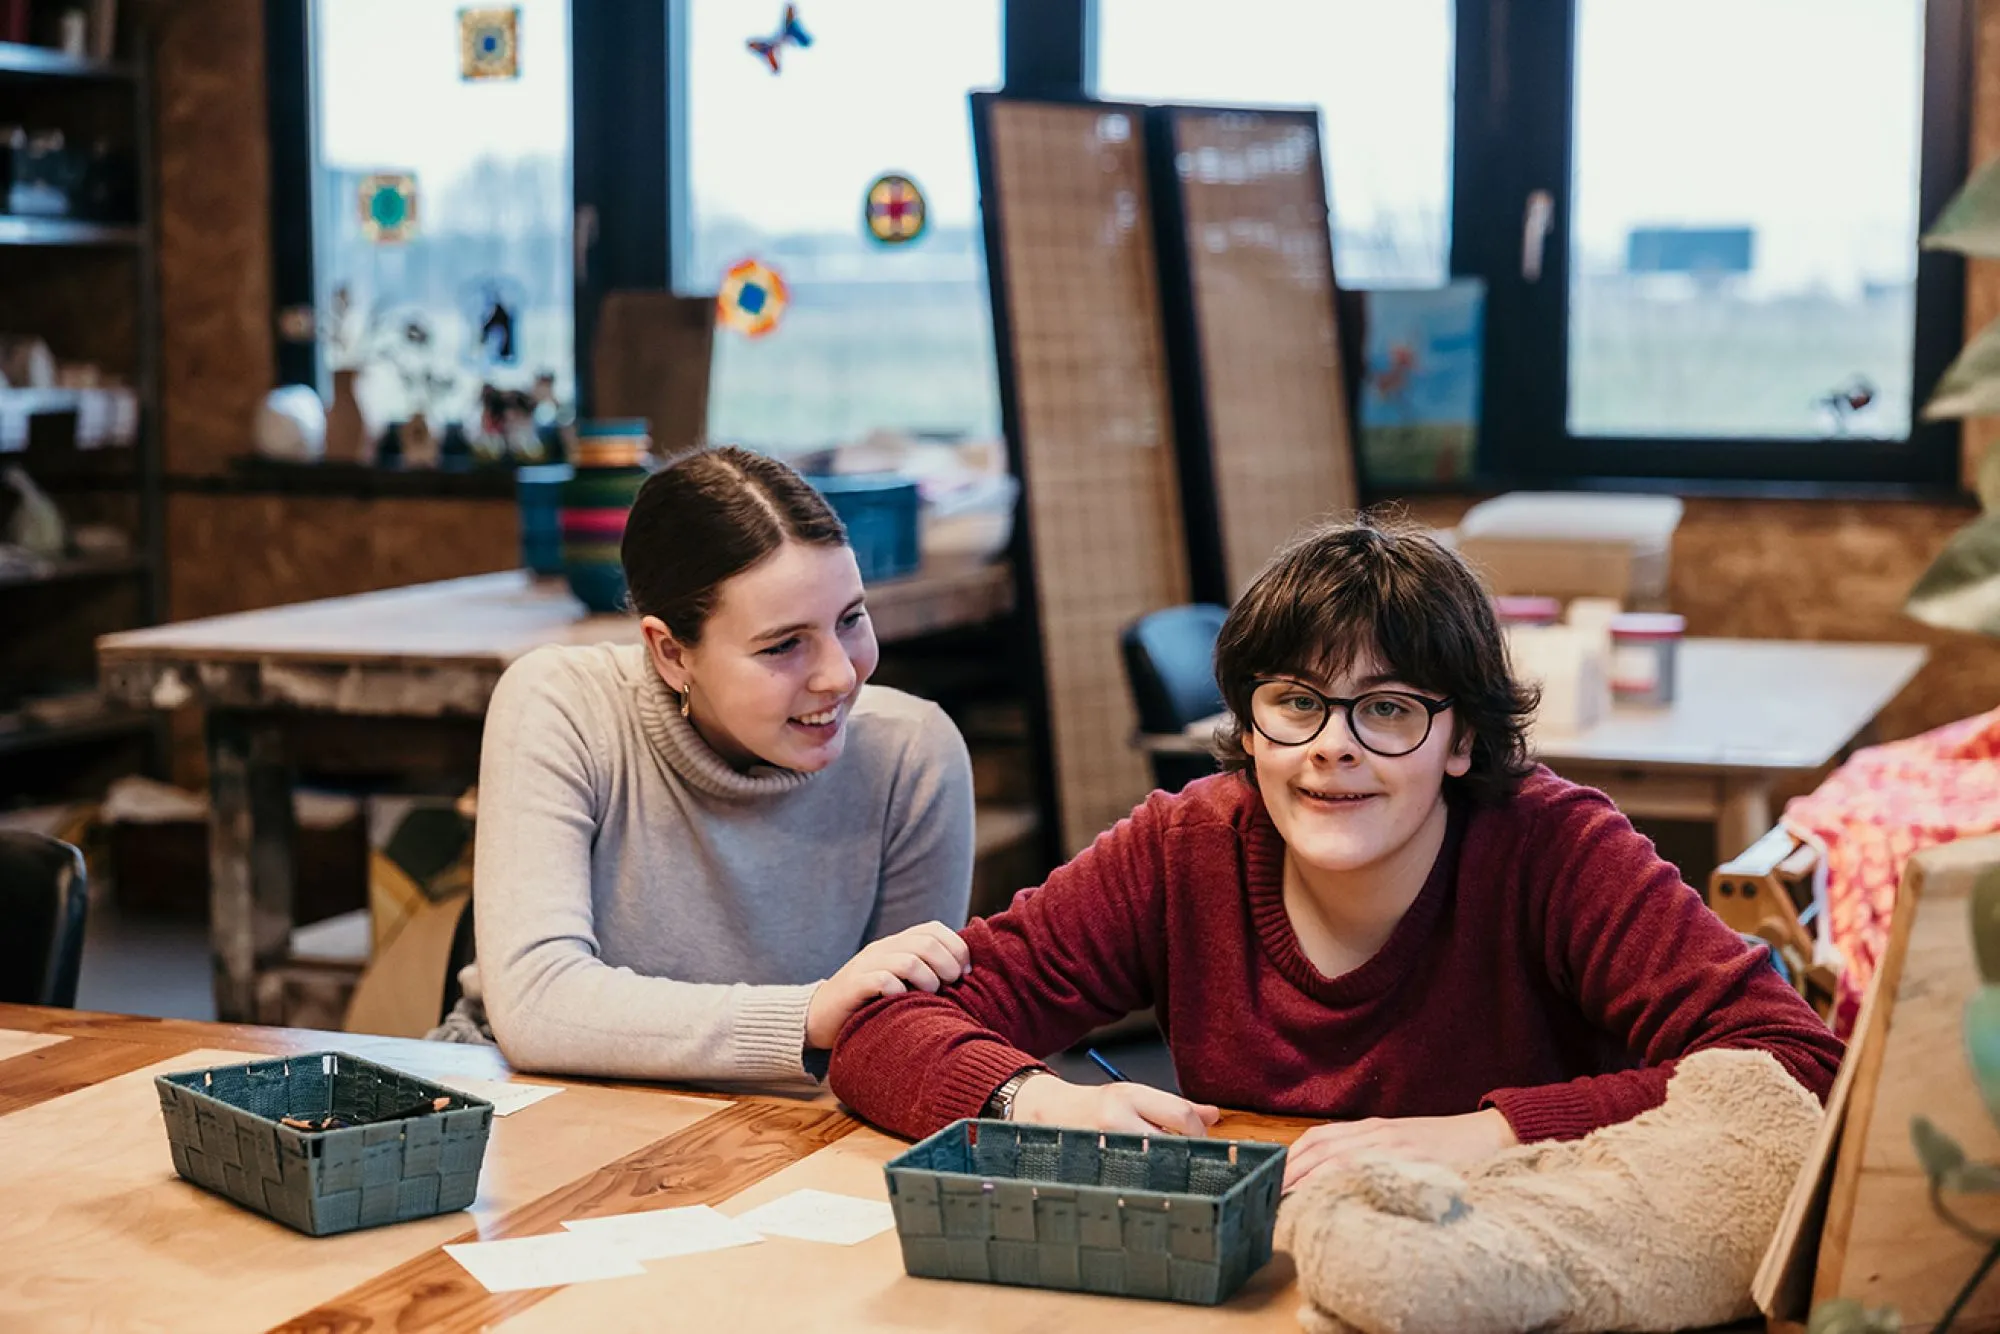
x,y
619,151
1511,138
1045,47
289,93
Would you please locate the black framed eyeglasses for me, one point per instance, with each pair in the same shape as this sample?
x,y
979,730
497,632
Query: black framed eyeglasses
x,y
1389,723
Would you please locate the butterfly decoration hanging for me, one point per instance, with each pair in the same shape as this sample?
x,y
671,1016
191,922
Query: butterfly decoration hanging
x,y
790,33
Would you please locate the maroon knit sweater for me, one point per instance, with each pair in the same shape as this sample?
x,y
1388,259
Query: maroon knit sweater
x,y
1552,966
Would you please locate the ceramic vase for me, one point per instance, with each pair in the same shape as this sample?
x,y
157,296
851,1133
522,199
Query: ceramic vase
x,y
346,431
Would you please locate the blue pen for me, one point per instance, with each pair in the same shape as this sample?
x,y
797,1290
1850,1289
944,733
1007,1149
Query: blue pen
x,y
1106,1066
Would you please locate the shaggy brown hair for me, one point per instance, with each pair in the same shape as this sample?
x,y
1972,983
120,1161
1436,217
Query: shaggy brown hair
x,y
1342,592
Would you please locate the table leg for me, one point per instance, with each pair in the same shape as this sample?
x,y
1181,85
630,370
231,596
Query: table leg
x,y
1744,817
250,839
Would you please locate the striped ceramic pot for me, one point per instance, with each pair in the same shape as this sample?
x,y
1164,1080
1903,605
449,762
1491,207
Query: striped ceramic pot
x,y
611,461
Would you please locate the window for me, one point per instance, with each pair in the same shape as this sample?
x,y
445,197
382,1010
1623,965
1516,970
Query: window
x,y
1697,222
1381,75
487,269
1745,266
774,167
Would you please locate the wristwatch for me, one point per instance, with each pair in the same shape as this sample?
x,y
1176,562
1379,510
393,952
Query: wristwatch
x,y
1000,1107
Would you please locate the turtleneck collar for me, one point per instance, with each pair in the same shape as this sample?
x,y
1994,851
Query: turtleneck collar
x,y
692,758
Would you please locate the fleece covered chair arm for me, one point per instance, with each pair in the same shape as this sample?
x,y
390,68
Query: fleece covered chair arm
x,y
1654,1224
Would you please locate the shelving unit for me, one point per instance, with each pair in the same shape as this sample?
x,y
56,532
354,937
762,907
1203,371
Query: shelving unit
x,y
87,288
47,62
76,567
15,230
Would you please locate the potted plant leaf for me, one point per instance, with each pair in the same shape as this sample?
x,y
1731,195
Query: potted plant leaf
x,y
1961,590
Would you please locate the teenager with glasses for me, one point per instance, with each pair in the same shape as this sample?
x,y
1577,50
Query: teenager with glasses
x,y
1383,915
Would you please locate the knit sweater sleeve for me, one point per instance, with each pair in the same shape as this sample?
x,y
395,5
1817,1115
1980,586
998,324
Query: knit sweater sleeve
x,y
927,849
554,1004
1649,965
1076,953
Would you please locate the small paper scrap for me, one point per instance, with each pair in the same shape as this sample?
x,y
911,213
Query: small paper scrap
x,y
658,1234
506,1098
819,1215
549,1261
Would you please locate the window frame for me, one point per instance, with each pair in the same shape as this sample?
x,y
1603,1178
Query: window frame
x,y
1513,122
1511,126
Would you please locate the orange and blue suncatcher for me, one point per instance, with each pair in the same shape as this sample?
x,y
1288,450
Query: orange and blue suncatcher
x,y
751,298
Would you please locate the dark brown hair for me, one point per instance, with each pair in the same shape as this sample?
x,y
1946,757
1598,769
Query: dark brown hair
x,y
705,519
1340,592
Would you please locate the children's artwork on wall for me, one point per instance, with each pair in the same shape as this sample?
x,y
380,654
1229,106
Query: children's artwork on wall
x,y
751,299
388,202
489,44
894,211
1420,387
790,33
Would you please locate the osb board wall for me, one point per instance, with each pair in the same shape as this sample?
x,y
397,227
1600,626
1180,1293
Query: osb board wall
x,y
237,552
1759,569
214,227
1982,276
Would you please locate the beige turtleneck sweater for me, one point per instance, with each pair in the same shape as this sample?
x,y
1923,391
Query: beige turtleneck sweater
x,y
646,911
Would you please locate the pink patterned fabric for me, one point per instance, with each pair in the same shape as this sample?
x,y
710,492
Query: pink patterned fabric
x,y
1877,810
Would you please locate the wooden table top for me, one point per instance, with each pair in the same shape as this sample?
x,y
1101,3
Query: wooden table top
x,y
496,618
439,648
1741,706
99,1233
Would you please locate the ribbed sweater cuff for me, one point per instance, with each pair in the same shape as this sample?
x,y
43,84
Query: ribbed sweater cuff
x,y
770,1036
972,1075
1553,1111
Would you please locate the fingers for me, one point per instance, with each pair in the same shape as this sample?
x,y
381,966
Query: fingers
x,y
953,944
1308,1156
934,952
882,983
913,970
1166,1111
1338,1142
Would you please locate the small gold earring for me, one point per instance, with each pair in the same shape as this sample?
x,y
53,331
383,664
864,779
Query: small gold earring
x,y
685,692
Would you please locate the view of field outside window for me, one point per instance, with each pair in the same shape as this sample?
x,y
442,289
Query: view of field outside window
x,y
1744,245
1380,74
776,168
491,162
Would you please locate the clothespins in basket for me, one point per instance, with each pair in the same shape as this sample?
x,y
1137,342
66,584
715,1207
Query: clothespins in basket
x,y
335,1121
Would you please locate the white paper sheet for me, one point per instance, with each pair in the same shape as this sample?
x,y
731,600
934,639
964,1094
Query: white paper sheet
x,y
657,1234
549,1261
818,1215
506,1098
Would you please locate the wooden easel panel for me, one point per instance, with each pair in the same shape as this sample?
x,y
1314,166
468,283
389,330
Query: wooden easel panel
x,y
1093,424
1260,262
1883,1245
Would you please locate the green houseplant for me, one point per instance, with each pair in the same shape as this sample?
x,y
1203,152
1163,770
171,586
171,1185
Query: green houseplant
x,y
1961,590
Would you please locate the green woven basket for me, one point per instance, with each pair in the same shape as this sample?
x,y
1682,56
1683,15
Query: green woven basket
x,y
1185,1220
223,1128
